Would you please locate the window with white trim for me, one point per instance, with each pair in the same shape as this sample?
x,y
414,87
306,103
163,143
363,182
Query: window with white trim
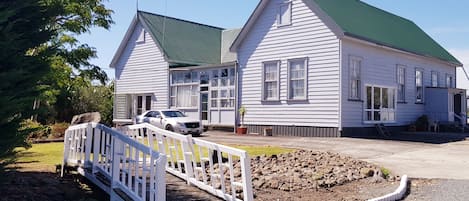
x,y
222,90
297,79
418,86
270,76
449,81
355,64
284,14
434,79
184,89
380,106
401,83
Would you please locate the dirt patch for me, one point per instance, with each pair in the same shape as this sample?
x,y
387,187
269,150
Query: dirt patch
x,y
16,185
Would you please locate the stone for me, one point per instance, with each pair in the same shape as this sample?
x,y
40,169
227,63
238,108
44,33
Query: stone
x,y
94,117
367,172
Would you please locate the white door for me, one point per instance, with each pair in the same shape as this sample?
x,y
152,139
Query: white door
x,y
204,112
450,107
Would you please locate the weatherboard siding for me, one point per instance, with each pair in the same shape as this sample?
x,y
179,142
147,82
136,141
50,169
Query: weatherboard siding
x,y
142,69
379,68
307,36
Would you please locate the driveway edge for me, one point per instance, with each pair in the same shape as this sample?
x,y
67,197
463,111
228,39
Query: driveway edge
x,y
398,194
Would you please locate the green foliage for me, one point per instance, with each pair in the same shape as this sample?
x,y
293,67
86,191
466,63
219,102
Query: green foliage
x,y
23,29
94,99
35,129
386,172
38,51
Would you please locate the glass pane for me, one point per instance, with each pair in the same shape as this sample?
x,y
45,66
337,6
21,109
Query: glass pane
x,y
173,91
232,80
139,102
232,102
377,116
148,103
194,90
223,93
377,98
204,98
214,94
368,97
204,115
187,77
224,103
385,101
223,82
232,93
204,107
232,72
194,76
214,103
224,72
204,78
369,116
214,78
194,101
173,101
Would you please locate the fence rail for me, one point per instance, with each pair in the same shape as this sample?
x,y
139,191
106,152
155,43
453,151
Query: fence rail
x,y
220,170
116,163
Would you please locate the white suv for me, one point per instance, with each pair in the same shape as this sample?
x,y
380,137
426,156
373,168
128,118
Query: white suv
x,y
172,120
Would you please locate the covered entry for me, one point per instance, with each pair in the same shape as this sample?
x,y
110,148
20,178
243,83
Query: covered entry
x,y
446,104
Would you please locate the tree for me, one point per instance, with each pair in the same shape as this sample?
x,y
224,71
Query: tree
x,y
23,62
38,50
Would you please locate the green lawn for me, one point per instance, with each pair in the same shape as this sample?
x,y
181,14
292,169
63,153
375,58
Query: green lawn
x,y
49,154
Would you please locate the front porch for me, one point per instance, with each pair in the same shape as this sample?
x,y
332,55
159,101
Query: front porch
x,y
446,105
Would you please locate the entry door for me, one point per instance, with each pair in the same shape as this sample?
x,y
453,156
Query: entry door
x,y
204,107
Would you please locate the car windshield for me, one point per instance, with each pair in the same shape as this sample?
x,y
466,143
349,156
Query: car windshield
x,y
171,114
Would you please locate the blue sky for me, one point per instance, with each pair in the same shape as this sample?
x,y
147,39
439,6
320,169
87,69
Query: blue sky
x,y
446,21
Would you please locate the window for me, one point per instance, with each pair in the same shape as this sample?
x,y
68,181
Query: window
x,y
449,81
418,86
285,14
222,90
270,87
139,105
147,103
380,104
184,89
401,83
355,77
297,75
434,79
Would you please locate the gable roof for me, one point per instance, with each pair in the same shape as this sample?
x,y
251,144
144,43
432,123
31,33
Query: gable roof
x,y
356,19
184,43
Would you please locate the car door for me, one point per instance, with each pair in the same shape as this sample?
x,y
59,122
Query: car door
x,y
156,119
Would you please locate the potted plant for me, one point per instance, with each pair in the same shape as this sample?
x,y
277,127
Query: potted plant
x,y
242,129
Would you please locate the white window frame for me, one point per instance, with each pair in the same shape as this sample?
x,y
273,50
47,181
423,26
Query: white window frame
x,y
280,20
434,78
449,81
357,79
229,87
305,79
194,85
401,83
417,85
263,94
388,110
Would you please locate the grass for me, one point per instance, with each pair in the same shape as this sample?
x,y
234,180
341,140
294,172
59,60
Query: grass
x,y
46,156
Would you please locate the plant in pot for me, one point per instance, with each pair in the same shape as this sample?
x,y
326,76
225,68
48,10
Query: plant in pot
x,y
242,129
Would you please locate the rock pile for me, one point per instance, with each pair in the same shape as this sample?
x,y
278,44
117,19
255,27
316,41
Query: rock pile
x,y
300,170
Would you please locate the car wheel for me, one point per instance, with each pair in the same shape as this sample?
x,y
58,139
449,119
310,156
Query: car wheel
x,y
196,134
169,128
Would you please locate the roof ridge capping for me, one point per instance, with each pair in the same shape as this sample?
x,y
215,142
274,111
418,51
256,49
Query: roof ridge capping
x,y
182,20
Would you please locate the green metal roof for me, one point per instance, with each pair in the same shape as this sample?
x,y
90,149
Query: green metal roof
x,y
184,43
362,21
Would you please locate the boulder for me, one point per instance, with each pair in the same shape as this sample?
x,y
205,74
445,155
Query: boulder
x,y
94,117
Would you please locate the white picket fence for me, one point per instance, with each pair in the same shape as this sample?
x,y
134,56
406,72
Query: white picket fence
x,y
116,163
199,162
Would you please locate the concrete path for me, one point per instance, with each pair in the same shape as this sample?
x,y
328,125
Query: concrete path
x,y
418,160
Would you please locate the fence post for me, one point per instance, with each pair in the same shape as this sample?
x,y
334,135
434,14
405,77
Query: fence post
x,y
88,144
247,180
114,166
66,152
161,177
187,152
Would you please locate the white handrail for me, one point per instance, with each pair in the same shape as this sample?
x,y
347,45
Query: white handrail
x,y
198,162
115,162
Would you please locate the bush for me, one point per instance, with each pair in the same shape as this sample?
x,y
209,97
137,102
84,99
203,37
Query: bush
x,y
57,130
422,123
35,129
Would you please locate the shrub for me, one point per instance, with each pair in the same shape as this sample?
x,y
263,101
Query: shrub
x,y
386,172
35,129
58,130
422,123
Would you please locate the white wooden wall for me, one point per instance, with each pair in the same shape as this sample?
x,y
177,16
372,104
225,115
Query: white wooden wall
x,y
308,37
142,69
379,68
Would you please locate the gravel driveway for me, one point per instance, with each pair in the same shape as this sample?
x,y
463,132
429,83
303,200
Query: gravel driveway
x,y
438,189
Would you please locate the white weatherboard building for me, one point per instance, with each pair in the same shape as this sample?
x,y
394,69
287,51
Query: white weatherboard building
x,y
302,67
